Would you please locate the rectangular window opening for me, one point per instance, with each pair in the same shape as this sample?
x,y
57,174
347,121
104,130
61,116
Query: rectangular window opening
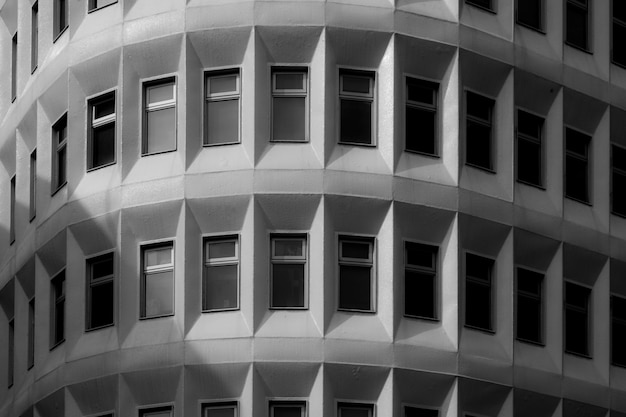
x,y
529,13
220,281
100,291
577,319
60,20
166,411
101,139
529,149
420,280
11,355
577,24
34,36
478,292
618,38
157,280
159,116
577,165
356,107
12,214
14,67
289,277
33,185
220,409
478,131
59,154
618,180
222,107
355,410
357,280
290,105
287,409
57,306
618,331
421,120
529,303
30,359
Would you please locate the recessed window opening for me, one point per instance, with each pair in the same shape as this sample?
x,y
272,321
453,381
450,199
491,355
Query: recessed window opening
x,y
421,116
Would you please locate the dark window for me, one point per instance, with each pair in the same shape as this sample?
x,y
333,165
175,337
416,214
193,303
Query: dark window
x,y
618,180
420,280
356,101
30,359
33,184
484,4
529,315
34,36
478,298
289,272
101,145
227,409
157,280
12,214
100,291
420,412
355,410
60,17
14,67
618,331
577,23
287,409
421,116
619,32
159,116
11,356
222,101
577,319
59,153
530,13
98,4
289,105
220,283
479,125
529,148
157,412
577,165
356,274
57,314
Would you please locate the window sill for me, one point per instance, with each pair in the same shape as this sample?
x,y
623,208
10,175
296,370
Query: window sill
x,y
158,153
92,169
530,342
580,355
580,48
430,155
13,99
157,317
354,310
30,367
618,365
57,344
33,217
487,170
618,64
100,8
480,329
530,184
361,144
621,215
295,141
32,71
93,329
211,145
431,319
288,308
530,27
61,32
220,310
59,188
587,203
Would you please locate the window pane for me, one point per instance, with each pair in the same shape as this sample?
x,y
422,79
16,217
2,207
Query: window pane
x,y
355,250
576,295
287,247
61,167
420,130
576,332
287,411
420,255
101,313
355,84
355,412
289,119
419,294
618,343
529,124
159,293
59,322
288,285
421,91
158,256
420,412
222,249
223,121
355,287
619,194
102,268
161,92
220,287
529,13
104,108
478,267
618,156
479,106
225,84
478,305
219,412
161,132
576,179
103,145
576,26
478,144
158,414
528,318
356,121
528,161
529,281
619,10
289,81
577,142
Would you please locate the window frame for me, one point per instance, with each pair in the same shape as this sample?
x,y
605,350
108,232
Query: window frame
x,y
425,107
542,17
223,261
32,207
491,123
355,404
588,10
542,305
536,141
147,108
617,171
287,402
434,271
347,261
290,93
370,97
227,96
92,5
588,161
226,404
290,260
55,301
90,283
59,26
492,292
94,123
144,270
59,147
34,36
588,311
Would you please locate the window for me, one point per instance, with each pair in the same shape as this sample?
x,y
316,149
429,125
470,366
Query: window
x,y
355,410
101,140
530,13
60,17
529,149
356,274
57,313
220,283
289,105
421,116
11,356
577,165
420,280
577,319
98,4
12,214
479,123
484,4
14,67
618,180
157,281
529,314
157,412
33,185
577,23
619,33
59,155
478,298
618,331
30,359
420,412
159,116
226,409
34,36
100,291
288,279
223,93
356,101
287,409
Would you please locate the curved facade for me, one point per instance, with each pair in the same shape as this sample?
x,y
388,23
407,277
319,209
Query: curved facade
x,y
321,208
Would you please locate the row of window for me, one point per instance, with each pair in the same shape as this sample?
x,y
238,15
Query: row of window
x,y
289,284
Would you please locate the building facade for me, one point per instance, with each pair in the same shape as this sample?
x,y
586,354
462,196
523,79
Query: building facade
x,y
351,208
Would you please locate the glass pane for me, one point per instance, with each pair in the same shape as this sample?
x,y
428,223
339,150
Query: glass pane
x,y
288,285
158,256
528,318
221,249
419,412
576,25
478,305
577,142
101,313
529,124
220,287
576,295
619,194
223,121
158,414
619,43
355,292
528,161
419,294
61,167
289,119
478,145
479,106
529,281
289,81
355,250
104,108
618,343
355,84
478,267
288,247
220,412
159,293
576,332
356,121
161,92
225,84
161,130
103,146
618,308
619,10
576,183
420,255
618,155
355,412
287,411
529,13
59,321
103,267
420,130
421,92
